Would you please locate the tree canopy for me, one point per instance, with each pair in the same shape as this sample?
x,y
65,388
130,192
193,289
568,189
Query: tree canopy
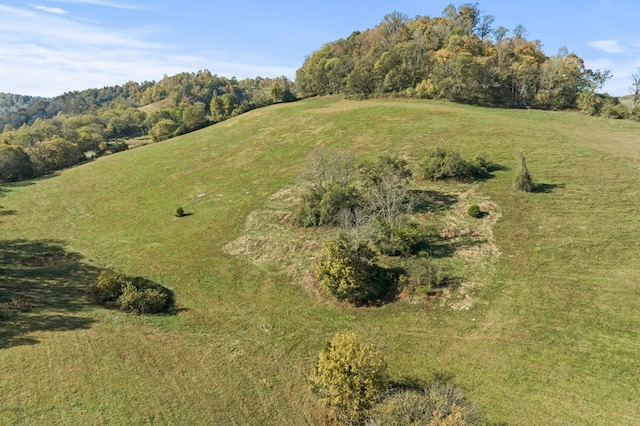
x,y
459,56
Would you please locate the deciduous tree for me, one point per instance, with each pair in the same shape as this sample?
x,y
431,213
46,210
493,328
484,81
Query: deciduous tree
x,y
15,164
349,378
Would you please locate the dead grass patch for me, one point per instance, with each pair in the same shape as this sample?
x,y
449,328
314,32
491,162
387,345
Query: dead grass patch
x,y
268,239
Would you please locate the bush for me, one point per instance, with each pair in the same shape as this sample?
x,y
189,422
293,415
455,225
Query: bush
x,y
179,212
398,241
132,294
424,278
523,181
143,300
349,377
352,275
118,146
108,287
442,163
474,211
438,404
336,199
322,207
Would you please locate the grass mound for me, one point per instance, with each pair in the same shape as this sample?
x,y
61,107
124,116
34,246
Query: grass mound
x,y
543,320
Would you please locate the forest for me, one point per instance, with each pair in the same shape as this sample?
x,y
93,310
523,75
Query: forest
x,y
460,57
40,135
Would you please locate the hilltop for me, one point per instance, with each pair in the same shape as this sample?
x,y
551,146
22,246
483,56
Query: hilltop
x,y
550,336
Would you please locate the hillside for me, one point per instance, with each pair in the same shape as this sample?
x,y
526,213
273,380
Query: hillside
x,y
550,338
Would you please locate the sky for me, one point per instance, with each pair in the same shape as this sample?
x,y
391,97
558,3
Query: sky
x,y
48,47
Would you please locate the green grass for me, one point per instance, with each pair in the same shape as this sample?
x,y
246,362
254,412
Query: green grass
x,y
552,338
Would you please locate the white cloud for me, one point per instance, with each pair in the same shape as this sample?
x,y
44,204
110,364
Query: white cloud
x,y
15,11
607,46
49,54
104,3
621,70
54,10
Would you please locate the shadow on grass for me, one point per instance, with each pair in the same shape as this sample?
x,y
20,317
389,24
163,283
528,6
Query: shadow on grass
x,y
546,188
408,383
415,383
438,248
431,201
4,212
42,288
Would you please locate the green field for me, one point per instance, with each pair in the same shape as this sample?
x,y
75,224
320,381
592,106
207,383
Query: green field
x,y
552,335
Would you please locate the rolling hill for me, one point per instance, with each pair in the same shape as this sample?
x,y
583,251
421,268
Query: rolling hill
x,y
551,337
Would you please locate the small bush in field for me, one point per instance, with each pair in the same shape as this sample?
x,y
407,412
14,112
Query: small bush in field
x,y
425,278
437,404
398,241
474,211
322,207
108,287
523,181
179,212
443,163
143,301
114,289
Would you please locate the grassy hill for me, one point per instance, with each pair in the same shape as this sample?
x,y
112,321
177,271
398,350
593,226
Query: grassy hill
x,y
551,338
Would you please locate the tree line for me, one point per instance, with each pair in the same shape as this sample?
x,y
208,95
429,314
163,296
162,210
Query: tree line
x,y
459,56
42,135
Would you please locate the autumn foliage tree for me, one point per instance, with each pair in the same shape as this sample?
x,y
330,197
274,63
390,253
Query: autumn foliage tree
x,y
349,378
15,164
351,273
458,56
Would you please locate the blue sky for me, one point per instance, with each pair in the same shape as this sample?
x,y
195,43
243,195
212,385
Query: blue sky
x,y
48,47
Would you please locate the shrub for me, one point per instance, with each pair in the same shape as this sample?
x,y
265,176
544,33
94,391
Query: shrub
x,y
179,212
399,240
443,163
352,275
474,211
143,300
438,404
349,377
133,294
308,213
523,181
336,199
117,146
323,206
108,287
424,278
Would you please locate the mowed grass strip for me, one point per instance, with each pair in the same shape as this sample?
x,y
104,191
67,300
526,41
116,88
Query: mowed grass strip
x,y
552,338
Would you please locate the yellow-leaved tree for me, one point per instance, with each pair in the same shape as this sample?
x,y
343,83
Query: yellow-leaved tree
x,y
349,378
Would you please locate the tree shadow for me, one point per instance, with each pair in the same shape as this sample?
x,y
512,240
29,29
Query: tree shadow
x,y
494,167
431,201
546,188
489,172
6,186
408,383
4,212
42,288
437,247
